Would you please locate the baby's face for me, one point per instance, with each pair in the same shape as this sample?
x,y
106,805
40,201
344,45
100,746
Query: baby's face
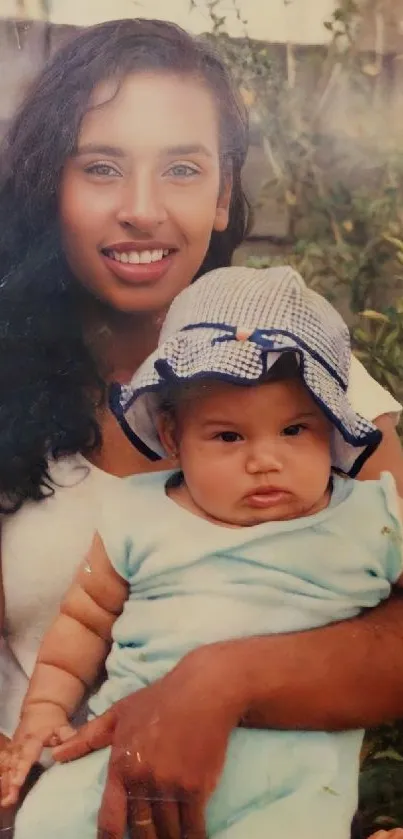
x,y
253,454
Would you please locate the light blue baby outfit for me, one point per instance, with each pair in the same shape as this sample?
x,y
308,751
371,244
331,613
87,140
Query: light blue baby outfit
x,y
193,582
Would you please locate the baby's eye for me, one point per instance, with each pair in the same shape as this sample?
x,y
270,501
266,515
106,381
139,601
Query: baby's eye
x,y
228,436
293,430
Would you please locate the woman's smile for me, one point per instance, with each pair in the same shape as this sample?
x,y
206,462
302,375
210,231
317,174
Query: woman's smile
x,y
133,262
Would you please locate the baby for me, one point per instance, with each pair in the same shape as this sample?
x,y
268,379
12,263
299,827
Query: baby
x,y
258,528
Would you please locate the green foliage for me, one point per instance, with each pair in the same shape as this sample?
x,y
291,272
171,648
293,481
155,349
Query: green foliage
x,y
381,787
378,343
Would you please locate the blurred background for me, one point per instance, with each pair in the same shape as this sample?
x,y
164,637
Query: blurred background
x,y
323,80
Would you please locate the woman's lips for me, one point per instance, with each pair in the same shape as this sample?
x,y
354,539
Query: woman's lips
x,y
132,272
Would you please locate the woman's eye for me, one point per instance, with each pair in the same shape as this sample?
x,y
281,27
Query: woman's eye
x,y
228,436
102,170
183,170
293,430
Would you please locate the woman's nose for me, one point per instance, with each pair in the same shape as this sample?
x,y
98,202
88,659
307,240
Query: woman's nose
x,y
141,204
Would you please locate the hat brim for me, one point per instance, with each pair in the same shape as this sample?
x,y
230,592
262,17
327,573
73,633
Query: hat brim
x,y
188,357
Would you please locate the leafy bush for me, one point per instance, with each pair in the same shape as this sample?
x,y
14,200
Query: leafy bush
x,y
378,344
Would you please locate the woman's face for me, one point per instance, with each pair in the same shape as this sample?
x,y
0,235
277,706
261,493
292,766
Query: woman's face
x,y
142,194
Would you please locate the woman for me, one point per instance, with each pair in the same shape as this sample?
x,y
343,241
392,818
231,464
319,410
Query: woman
x,y
120,185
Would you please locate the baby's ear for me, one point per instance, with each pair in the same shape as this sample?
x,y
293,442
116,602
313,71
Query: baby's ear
x,y
166,428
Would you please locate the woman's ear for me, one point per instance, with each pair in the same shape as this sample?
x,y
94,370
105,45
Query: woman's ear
x,y
223,204
167,432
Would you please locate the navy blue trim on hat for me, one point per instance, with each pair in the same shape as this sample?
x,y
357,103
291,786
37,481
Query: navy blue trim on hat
x,y
372,439
115,391
369,451
371,443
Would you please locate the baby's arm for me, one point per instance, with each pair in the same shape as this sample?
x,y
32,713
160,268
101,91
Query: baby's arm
x,y
77,643
71,655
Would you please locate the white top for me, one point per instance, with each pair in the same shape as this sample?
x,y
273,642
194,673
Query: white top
x,y
44,543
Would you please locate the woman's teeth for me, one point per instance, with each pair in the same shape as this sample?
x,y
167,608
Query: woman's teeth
x,y
138,257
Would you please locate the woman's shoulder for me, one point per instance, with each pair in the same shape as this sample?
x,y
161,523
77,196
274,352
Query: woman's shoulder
x,y
73,470
367,396
69,507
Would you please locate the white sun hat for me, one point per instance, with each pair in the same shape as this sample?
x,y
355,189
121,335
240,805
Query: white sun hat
x,y
232,324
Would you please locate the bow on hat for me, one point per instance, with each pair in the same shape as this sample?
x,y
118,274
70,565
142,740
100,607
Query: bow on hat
x,y
265,339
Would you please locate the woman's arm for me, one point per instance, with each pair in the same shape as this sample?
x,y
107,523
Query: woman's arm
x,y
347,675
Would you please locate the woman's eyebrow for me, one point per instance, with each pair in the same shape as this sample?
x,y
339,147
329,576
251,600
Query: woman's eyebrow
x,y
99,148
169,151
186,148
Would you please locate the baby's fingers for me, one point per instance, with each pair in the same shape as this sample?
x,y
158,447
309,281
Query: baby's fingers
x,y
62,734
22,757
5,762
9,791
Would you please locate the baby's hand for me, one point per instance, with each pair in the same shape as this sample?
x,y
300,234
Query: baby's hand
x,y
42,724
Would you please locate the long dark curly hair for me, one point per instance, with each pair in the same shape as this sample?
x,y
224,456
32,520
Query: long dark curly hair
x,y
50,381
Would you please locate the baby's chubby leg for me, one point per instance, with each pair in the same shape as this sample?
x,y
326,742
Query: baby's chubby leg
x,y
286,784
65,801
297,816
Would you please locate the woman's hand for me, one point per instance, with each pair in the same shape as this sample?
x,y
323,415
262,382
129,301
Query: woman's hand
x,y
41,725
169,743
